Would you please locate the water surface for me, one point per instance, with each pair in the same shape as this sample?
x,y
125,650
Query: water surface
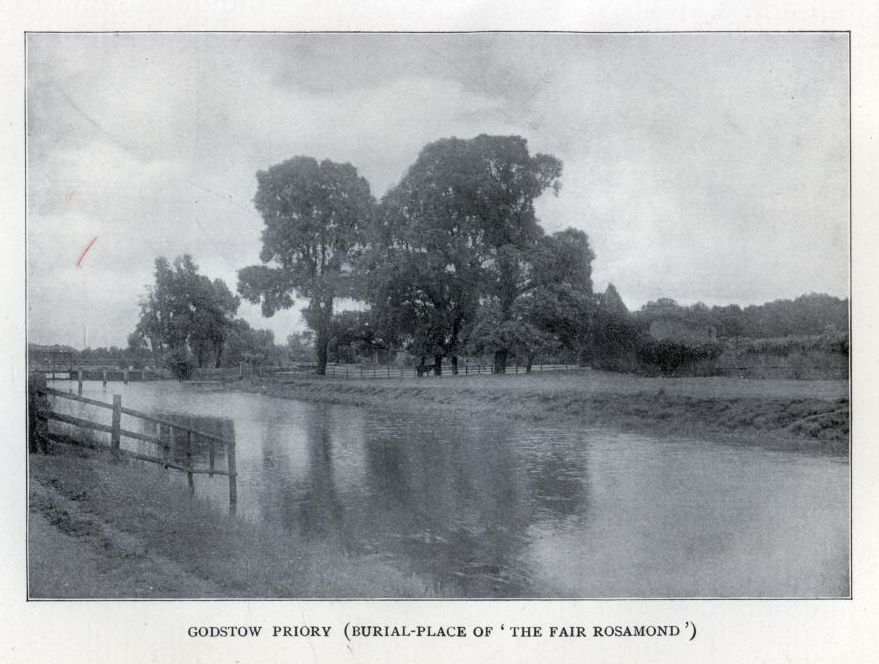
x,y
498,508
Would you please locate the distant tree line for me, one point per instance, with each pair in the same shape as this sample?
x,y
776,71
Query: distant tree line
x,y
451,262
806,315
622,341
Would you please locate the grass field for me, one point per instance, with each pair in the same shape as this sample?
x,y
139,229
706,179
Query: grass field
x,y
597,382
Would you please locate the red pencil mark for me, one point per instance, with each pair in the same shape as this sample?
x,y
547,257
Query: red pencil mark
x,y
85,251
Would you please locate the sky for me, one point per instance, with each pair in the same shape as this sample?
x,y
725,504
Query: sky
x,y
708,167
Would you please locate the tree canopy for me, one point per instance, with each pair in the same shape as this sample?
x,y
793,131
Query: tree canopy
x,y
453,260
806,315
553,305
184,313
455,240
315,218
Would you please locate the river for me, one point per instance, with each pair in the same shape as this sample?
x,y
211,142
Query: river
x,y
501,508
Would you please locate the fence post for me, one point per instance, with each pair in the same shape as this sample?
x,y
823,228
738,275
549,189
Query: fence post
x,y
166,444
210,457
233,477
38,409
241,369
125,376
117,423
104,377
189,478
79,382
346,371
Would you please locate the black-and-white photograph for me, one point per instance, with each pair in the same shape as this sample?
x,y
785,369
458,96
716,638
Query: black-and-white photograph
x,y
438,315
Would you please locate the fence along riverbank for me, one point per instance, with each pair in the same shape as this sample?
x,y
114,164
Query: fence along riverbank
x,y
168,446
333,370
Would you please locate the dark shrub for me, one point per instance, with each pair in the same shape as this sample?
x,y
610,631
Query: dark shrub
x,y
180,363
672,356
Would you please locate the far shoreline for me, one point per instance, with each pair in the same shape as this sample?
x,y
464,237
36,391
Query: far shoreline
x,y
810,416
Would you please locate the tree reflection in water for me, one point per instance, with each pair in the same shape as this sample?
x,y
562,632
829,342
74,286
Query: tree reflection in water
x,y
454,501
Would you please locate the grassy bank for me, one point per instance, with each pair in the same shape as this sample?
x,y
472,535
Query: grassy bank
x,y
777,413
112,529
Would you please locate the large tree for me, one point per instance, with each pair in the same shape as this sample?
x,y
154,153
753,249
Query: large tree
x,y
551,303
558,298
184,313
425,263
315,216
507,180
454,235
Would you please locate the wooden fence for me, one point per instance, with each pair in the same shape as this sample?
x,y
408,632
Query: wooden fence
x,y
399,371
374,371
168,458
106,375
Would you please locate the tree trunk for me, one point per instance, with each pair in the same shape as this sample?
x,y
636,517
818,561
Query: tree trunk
x,y
500,361
422,366
528,362
156,349
322,341
322,334
437,365
456,330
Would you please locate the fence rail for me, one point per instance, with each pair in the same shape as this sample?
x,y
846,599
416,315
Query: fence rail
x,y
351,371
332,371
105,374
167,447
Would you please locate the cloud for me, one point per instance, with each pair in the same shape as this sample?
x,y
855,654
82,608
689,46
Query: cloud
x,y
709,167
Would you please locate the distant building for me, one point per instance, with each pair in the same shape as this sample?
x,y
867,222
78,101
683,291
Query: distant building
x,y
676,329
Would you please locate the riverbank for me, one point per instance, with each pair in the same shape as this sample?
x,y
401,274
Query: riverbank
x,y
102,528
783,414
